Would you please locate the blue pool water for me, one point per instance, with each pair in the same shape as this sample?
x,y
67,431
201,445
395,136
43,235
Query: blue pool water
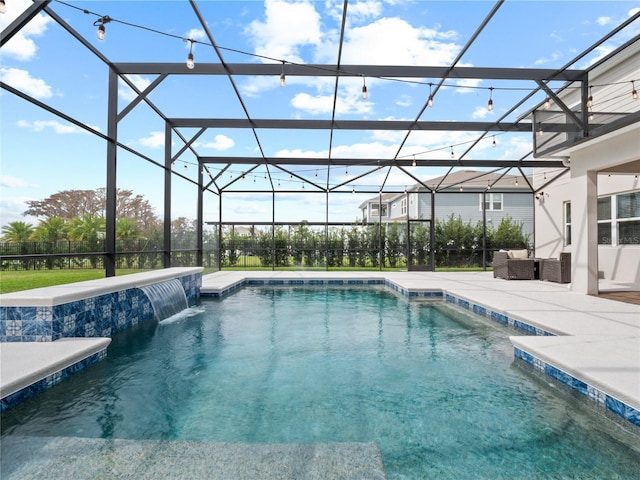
x,y
435,388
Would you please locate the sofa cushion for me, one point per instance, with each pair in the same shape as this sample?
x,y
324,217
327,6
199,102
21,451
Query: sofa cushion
x,y
518,253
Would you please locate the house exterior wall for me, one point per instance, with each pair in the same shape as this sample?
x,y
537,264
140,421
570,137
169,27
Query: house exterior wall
x,y
590,261
518,206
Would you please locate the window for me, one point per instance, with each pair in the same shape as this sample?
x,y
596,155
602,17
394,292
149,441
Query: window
x,y
628,218
492,201
567,223
374,209
403,207
619,219
604,221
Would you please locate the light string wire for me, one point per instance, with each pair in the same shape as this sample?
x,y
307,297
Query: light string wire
x,y
109,19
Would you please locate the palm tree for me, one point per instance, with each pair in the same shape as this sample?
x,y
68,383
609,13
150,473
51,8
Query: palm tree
x,y
127,229
17,232
52,229
89,229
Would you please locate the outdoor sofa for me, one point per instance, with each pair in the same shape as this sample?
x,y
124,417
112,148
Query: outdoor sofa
x,y
513,265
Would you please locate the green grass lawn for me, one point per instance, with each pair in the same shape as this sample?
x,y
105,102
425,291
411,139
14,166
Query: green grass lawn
x,y
14,281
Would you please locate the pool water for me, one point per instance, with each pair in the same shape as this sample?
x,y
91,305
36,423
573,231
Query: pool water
x,y
435,388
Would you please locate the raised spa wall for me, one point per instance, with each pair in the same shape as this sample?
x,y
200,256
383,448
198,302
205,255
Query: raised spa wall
x,y
97,308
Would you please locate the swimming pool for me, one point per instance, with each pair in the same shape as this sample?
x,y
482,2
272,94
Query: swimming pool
x,y
435,388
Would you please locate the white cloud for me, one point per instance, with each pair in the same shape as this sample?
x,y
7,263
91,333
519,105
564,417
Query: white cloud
x,y
602,21
126,93
7,181
287,28
154,140
57,127
319,104
21,46
480,112
467,85
554,56
222,142
359,11
22,80
393,41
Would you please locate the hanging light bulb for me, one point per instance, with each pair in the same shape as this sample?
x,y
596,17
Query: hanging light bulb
x,y
540,132
591,115
430,101
494,141
590,99
283,80
460,187
3,7
634,92
488,184
414,161
364,89
452,154
490,102
303,186
186,166
100,23
316,175
190,63
353,189
516,181
547,103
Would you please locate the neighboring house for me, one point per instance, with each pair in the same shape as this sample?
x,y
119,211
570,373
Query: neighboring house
x,y
463,193
593,209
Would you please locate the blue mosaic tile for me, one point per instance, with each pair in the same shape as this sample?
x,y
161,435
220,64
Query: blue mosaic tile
x,y
480,310
525,327
464,303
616,406
15,398
295,282
355,282
565,378
3,314
336,282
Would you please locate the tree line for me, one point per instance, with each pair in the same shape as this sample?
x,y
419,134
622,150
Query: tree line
x,y
73,223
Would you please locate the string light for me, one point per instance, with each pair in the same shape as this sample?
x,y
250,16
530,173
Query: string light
x,y
364,89
190,63
494,141
430,101
590,99
490,102
282,77
634,92
460,187
488,184
414,161
591,115
540,132
547,103
100,23
516,181
452,154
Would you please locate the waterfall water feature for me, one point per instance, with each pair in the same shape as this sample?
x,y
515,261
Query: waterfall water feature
x,y
167,298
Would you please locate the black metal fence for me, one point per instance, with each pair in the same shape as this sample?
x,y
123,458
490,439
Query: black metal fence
x,y
260,246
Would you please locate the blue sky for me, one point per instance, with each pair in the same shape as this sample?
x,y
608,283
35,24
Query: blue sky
x,y
42,154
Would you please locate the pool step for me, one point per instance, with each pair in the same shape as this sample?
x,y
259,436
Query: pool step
x,y
53,458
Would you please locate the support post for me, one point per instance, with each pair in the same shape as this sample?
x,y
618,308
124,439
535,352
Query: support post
x,y
200,219
167,196
111,188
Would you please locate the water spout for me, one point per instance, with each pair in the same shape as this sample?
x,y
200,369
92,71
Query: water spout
x,y
167,298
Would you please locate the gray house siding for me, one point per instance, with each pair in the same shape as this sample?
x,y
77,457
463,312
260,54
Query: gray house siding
x,y
518,206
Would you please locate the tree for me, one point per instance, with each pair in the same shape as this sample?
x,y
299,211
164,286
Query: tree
x,y
52,229
17,232
70,204
88,228
509,235
127,229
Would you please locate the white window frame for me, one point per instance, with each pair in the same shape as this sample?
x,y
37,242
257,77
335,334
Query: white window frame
x,y
491,201
403,206
566,232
